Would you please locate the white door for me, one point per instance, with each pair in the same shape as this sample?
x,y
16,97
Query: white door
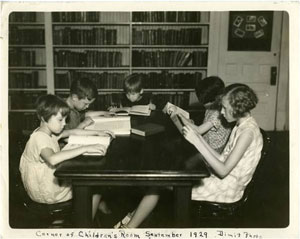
x,y
253,68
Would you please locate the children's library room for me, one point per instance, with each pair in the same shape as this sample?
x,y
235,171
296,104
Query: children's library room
x,y
148,119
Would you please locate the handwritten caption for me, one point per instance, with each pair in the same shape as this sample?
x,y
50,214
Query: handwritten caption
x,y
146,234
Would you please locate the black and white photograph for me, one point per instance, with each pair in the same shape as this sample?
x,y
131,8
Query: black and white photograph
x,y
139,120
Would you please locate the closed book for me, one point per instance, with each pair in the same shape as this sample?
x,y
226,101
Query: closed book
x,y
147,129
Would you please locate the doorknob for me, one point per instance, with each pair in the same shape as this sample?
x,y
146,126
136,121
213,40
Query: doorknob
x,y
273,75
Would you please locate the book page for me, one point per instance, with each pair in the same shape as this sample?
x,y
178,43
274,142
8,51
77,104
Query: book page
x,y
176,110
118,125
140,109
84,139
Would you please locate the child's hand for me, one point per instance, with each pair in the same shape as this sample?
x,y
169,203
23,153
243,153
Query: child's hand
x,y
106,133
95,148
171,110
108,114
87,121
190,135
111,108
152,106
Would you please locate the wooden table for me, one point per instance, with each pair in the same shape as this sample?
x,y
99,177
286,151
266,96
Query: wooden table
x,y
158,160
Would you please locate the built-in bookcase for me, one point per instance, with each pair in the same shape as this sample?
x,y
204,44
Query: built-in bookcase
x,y
49,50
27,67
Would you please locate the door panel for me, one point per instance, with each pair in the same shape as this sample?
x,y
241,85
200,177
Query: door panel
x,y
254,69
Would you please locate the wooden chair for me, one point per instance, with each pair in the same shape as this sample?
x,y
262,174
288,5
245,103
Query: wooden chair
x,y
37,215
215,214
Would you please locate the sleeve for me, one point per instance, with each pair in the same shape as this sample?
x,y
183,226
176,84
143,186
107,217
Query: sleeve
x,y
41,141
213,116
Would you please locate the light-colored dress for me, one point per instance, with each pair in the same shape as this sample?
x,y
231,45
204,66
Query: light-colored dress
x,y
37,175
218,135
231,188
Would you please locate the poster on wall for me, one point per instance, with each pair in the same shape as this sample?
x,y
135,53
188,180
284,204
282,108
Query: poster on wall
x,y
250,31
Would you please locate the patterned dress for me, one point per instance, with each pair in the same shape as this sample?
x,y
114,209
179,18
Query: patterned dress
x,y
231,188
37,175
218,135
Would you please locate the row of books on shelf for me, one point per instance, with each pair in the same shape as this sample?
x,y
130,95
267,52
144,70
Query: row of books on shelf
x,y
185,36
24,100
34,79
23,121
161,58
26,17
152,80
170,16
28,57
26,36
75,16
103,80
94,36
87,58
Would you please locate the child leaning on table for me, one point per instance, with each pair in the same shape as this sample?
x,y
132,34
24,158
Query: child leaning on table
x,y
83,92
134,92
42,153
234,167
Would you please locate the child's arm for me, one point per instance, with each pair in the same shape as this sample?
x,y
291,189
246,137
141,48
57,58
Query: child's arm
x,y
201,129
222,169
67,133
97,113
86,122
55,158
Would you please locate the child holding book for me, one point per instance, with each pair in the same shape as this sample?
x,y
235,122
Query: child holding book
x,y
134,92
234,167
215,129
83,92
42,153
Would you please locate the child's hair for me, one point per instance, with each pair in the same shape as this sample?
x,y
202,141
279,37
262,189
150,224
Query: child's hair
x,y
48,105
209,88
241,98
84,88
133,83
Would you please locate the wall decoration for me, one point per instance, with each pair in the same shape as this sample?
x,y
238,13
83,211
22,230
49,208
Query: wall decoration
x,y
250,31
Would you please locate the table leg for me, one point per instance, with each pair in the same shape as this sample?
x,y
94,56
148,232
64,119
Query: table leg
x,y
82,200
182,205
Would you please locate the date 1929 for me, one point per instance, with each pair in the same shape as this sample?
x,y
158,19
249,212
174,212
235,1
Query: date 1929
x,y
198,234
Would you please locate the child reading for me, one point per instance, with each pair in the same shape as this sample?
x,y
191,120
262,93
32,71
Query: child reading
x,y
42,153
215,129
134,92
83,92
234,167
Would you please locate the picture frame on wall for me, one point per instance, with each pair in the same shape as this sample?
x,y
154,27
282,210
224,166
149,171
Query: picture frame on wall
x,y
250,30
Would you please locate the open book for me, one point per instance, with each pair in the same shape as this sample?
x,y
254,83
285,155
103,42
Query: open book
x,y
179,116
176,110
76,141
119,125
134,110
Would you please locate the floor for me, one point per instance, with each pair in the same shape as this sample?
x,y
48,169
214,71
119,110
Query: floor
x,y
267,207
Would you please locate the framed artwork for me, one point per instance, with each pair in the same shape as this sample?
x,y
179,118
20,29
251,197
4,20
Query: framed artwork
x,y
250,31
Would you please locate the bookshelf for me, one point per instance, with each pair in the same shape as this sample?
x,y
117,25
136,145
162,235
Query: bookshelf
x,y
170,50
27,67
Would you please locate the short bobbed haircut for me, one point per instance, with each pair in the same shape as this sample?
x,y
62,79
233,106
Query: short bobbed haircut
x,y
84,88
241,98
48,105
209,88
133,83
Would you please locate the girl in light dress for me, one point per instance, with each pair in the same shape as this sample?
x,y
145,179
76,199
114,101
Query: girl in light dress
x,y
42,153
